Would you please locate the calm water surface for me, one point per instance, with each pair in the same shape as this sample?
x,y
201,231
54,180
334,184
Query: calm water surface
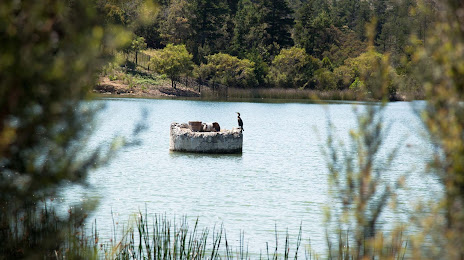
x,y
279,180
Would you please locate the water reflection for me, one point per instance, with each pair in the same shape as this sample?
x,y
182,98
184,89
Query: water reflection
x,y
280,179
189,155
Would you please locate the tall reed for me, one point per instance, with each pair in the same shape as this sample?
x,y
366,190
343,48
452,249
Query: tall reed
x,y
173,239
169,239
280,93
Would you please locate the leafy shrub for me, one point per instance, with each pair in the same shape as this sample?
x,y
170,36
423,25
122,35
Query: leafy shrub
x,y
292,68
343,76
357,84
228,70
325,79
326,63
363,68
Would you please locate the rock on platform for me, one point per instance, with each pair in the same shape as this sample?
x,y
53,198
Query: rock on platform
x,y
183,139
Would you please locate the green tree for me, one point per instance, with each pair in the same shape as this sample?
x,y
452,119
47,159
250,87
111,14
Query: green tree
x,y
127,13
249,31
352,14
427,14
347,45
136,45
324,79
261,67
278,19
327,64
151,33
177,24
397,29
366,64
314,30
210,25
292,68
381,14
173,61
228,70
48,60
233,6
138,16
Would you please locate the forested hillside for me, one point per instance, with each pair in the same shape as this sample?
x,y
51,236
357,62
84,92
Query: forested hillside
x,y
312,44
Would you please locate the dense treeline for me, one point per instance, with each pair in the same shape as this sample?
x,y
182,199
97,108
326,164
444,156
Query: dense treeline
x,y
312,44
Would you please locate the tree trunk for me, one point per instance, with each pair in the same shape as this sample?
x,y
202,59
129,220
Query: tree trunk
x,y
173,83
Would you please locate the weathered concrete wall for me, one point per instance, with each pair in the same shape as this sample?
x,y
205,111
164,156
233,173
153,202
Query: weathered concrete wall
x,y
185,140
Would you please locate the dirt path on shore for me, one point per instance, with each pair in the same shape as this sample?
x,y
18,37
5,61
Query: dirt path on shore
x,y
118,87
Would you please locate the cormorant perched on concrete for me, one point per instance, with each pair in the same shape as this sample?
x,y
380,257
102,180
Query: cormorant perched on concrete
x,y
240,122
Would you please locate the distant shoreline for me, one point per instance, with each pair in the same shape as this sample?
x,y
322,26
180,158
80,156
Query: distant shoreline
x,y
117,88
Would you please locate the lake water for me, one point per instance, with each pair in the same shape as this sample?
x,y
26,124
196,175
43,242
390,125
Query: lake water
x,y
280,180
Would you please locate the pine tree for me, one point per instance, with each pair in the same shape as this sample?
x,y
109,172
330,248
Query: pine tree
x,y
381,14
233,6
177,20
353,14
248,29
209,23
278,20
314,30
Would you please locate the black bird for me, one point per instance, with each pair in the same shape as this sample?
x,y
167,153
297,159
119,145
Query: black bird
x,y
240,122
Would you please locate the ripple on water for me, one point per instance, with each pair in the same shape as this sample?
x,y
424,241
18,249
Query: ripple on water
x,y
279,180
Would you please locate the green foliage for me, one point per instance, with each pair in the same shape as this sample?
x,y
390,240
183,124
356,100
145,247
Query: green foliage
x,y
174,60
440,68
129,14
324,79
258,30
249,33
292,68
177,22
359,181
365,67
152,36
138,44
210,23
343,76
48,61
327,64
357,85
228,70
261,67
359,173
314,30
278,20
347,46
